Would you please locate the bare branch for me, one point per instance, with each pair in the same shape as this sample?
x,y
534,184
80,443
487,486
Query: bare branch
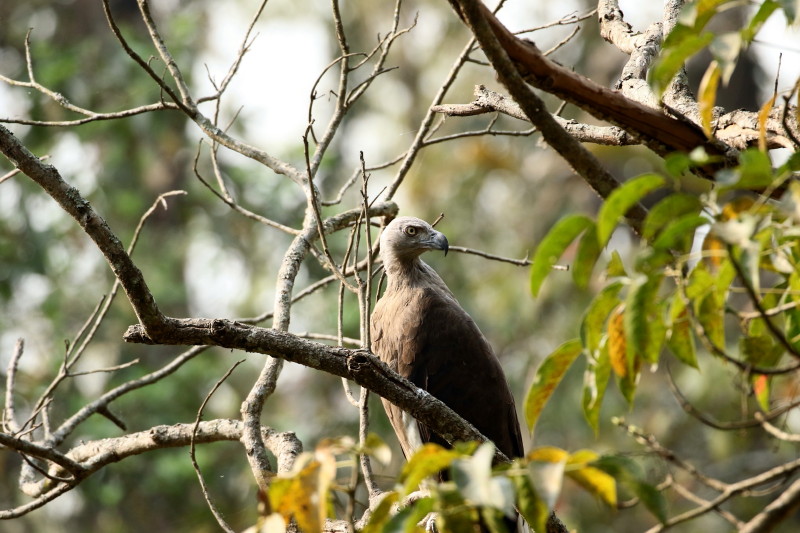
x,y
488,31
487,101
775,432
70,200
9,411
661,133
220,520
776,512
427,121
243,49
206,125
91,456
356,365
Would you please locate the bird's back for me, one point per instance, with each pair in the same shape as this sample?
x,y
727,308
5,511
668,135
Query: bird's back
x,y
423,334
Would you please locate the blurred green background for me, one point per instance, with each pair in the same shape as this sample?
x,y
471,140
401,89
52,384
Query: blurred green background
x,y
499,194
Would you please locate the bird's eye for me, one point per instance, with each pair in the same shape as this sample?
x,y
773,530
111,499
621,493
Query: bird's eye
x,y
411,230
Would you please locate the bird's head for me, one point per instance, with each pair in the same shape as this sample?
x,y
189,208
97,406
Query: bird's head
x,y
405,238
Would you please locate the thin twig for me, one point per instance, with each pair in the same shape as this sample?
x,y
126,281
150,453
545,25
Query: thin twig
x,y
493,257
314,205
751,292
229,201
220,520
775,432
9,411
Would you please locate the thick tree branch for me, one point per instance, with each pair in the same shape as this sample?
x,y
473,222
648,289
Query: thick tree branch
x,y
71,201
487,101
356,365
479,19
92,456
661,133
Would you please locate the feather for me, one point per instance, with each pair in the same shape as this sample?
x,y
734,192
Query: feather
x,y
420,330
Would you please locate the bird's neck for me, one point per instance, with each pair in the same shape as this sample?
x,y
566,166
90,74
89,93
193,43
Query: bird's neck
x,y
411,273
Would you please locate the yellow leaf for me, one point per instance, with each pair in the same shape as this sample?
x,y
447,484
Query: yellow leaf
x,y
548,454
617,347
596,482
429,459
763,115
708,96
303,493
713,250
735,207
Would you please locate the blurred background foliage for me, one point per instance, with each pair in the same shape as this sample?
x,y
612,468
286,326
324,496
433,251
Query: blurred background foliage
x,y
499,194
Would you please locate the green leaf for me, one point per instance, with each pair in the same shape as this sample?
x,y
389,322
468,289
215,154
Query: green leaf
x,y
791,165
673,206
546,470
790,10
676,51
652,499
428,460
754,170
707,96
761,388
627,386
701,282
644,325
678,235
764,11
621,200
761,350
677,163
381,514
595,382
530,505
748,256
697,14
492,519
615,267
553,245
586,258
681,339
406,520
473,477
454,514
709,311
548,376
630,476
726,48
594,319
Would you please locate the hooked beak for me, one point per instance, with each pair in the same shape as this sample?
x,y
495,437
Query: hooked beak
x,y
438,241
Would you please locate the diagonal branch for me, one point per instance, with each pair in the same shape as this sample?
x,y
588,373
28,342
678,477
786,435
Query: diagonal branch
x,y
356,365
71,201
661,133
486,28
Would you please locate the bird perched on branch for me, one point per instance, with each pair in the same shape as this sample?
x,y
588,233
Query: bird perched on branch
x,y
420,330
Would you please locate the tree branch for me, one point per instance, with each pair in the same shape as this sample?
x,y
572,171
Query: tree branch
x,y
496,41
356,365
70,200
661,133
487,101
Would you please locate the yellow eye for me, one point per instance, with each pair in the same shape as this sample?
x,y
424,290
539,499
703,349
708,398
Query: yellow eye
x,y
411,230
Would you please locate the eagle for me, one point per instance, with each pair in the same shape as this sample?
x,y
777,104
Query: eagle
x,y
421,332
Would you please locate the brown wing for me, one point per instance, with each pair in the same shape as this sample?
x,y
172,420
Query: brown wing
x,y
428,338
388,339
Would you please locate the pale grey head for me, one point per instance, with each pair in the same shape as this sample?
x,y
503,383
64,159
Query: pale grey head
x,y
405,238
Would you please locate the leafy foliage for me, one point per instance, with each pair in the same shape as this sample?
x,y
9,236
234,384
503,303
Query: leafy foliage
x,y
697,255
